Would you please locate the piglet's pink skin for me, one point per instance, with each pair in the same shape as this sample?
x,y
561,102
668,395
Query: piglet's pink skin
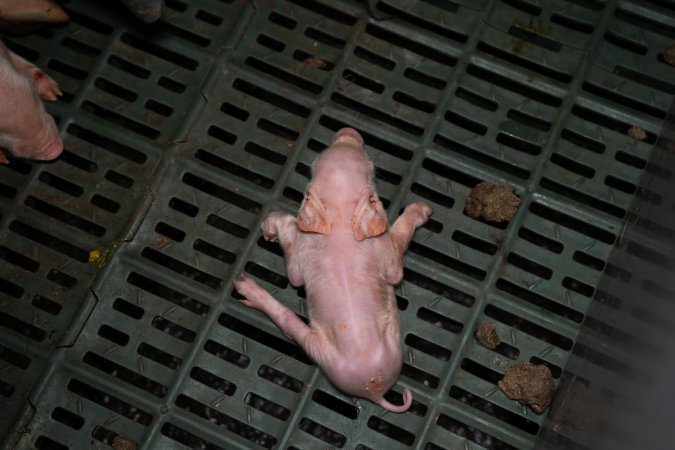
x,y
349,259
26,129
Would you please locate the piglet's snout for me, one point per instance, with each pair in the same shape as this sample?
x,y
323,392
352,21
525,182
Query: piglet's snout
x,y
348,135
50,151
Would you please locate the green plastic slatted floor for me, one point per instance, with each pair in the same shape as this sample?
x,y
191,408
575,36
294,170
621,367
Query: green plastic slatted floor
x,y
117,316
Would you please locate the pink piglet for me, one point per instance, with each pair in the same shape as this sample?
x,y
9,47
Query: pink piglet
x,y
342,249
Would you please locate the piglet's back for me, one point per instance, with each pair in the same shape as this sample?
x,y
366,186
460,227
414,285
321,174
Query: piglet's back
x,y
344,284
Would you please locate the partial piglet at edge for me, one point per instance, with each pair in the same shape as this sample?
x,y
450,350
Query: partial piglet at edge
x,y
26,128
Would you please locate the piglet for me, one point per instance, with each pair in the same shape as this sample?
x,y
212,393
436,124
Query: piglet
x,y
343,250
24,16
148,11
26,129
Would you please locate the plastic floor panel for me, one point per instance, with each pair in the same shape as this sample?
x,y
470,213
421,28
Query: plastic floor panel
x,y
117,315
623,354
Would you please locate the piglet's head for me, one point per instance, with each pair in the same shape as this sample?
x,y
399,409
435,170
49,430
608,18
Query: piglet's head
x,y
342,190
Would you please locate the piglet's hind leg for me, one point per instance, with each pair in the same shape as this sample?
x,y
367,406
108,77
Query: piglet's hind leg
x,y
284,318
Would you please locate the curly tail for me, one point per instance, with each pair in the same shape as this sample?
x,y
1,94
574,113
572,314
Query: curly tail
x,y
407,401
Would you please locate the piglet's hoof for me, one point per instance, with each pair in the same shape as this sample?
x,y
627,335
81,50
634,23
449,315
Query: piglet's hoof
x,y
148,11
254,294
240,282
269,231
425,211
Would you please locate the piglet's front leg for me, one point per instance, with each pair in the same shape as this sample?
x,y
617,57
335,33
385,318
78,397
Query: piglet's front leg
x,y
284,229
401,233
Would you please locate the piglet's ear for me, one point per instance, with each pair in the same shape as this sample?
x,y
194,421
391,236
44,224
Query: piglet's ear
x,y
369,218
312,215
45,85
